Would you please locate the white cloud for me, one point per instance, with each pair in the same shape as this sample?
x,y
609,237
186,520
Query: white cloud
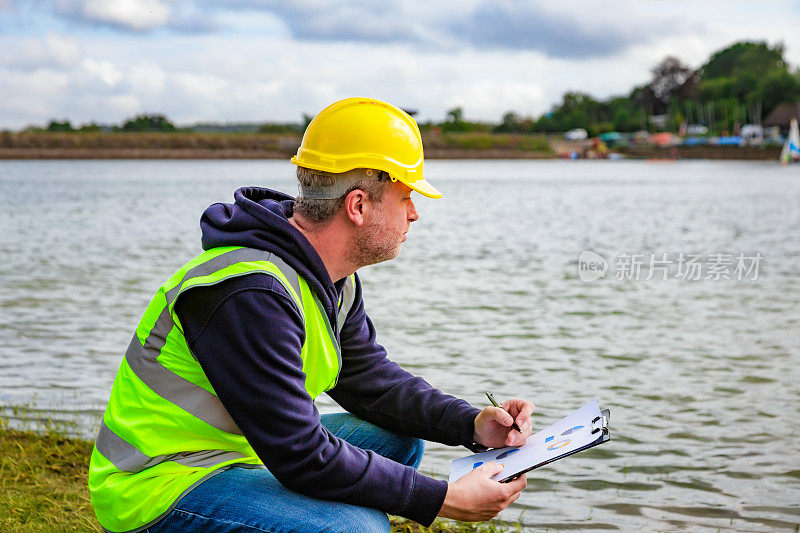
x,y
33,96
103,108
64,50
575,30
200,87
147,78
486,97
53,50
102,71
240,73
137,15
252,21
123,105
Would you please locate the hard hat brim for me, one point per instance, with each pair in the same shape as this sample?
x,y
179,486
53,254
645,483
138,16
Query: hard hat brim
x,y
424,188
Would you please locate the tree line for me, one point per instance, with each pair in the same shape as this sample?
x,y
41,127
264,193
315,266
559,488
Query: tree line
x,y
738,84
141,122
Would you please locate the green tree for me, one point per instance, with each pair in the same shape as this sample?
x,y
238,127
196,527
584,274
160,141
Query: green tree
x,y
727,90
577,110
145,122
623,114
777,87
748,72
54,125
306,121
91,127
511,123
455,121
668,76
455,115
717,88
749,59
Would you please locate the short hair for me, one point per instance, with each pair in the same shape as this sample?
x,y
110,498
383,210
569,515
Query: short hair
x,y
374,183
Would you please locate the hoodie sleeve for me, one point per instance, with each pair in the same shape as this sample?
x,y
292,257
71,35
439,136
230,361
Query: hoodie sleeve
x,y
247,335
376,389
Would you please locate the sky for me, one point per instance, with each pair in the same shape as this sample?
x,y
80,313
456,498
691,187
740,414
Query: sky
x,y
269,60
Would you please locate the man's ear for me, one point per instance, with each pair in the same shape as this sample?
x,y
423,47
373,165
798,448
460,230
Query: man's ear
x,y
355,205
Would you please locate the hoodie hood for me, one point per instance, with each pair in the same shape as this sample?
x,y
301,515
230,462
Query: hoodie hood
x,y
259,218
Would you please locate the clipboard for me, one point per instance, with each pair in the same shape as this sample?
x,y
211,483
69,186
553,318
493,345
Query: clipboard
x,y
584,428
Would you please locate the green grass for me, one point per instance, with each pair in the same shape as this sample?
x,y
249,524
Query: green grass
x,y
151,140
162,144
491,141
43,483
43,488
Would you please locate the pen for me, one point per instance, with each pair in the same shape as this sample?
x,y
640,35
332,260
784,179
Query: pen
x,y
494,402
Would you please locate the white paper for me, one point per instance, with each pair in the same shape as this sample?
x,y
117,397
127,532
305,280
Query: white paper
x,y
568,434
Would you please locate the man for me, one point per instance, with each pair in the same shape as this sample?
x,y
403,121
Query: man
x,y
220,377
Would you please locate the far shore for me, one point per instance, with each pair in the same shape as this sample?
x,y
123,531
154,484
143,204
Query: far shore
x,y
450,145
232,153
651,153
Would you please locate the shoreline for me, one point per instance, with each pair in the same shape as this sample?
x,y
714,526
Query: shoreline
x,y
459,146
43,487
683,153
178,153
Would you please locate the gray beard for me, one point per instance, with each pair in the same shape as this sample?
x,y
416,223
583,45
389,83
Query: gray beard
x,y
372,245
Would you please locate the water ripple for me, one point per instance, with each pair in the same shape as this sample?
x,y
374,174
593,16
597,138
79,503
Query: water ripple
x,y
702,377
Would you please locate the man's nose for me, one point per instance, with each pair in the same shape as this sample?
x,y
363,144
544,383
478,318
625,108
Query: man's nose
x,y
412,212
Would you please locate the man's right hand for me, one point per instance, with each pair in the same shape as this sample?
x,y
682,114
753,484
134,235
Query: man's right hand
x,y
476,497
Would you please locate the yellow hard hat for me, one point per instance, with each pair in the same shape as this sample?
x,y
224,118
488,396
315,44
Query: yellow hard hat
x,y
365,133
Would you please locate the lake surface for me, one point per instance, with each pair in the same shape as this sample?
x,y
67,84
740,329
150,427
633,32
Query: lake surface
x,y
702,376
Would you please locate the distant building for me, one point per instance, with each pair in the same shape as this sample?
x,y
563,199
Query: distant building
x,y
577,134
782,116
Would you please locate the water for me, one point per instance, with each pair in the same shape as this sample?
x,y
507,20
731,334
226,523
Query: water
x,y
701,376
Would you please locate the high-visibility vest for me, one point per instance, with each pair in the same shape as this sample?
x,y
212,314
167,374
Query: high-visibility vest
x,y
164,430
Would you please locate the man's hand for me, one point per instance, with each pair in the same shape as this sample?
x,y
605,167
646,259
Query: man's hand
x,y
493,424
476,497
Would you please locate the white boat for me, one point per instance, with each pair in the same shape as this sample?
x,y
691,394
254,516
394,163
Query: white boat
x,y
791,148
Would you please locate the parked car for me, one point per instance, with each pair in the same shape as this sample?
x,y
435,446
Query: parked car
x,y
578,134
614,139
752,134
696,129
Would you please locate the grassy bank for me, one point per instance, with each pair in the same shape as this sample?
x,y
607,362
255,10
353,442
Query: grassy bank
x,y
43,483
43,488
437,145
188,145
757,153
125,145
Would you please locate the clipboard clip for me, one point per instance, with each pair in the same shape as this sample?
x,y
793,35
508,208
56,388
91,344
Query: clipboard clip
x,y
600,423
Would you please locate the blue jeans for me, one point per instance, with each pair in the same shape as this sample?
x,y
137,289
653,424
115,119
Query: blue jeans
x,y
252,500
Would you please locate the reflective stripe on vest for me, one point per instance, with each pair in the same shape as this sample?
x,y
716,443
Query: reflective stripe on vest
x,y
164,429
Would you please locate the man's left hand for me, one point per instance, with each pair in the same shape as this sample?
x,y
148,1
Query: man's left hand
x,y
493,424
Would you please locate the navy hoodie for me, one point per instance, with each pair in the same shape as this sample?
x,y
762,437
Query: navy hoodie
x,y
247,335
